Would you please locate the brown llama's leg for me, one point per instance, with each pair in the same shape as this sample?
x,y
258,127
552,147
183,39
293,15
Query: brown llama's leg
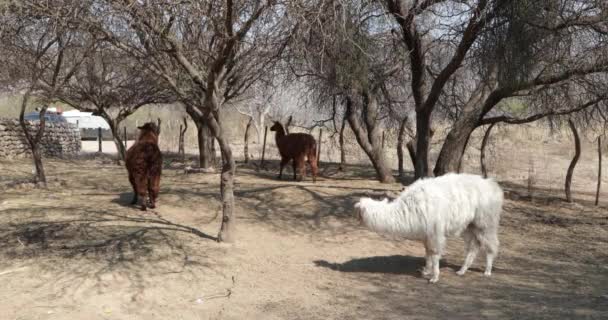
x,y
132,181
141,185
294,165
153,190
301,164
312,161
283,163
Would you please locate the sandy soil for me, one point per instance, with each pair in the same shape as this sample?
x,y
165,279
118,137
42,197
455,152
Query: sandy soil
x,y
79,251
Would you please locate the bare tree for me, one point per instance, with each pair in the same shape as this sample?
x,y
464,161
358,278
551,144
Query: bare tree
x,y
344,49
113,85
531,49
41,53
209,53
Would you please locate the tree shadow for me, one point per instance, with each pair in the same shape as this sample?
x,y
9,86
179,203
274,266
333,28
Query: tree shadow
x,y
85,243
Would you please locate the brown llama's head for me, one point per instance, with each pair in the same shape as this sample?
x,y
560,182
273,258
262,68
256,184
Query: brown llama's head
x,y
149,126
277,126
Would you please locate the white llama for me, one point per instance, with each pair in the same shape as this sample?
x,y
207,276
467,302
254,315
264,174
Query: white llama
x,y
432,209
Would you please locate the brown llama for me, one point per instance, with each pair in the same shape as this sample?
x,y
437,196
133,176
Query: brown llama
x,y
296,147
144,163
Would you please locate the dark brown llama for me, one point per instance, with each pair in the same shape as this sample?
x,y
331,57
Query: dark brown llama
x,y
296,147
144,163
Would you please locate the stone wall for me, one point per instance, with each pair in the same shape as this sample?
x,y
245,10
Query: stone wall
x,y
59,139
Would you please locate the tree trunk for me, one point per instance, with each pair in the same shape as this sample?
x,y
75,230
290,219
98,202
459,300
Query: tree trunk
x,y
577,154
246,148
400,141
423,142
182,138
370,140
454,146
121,150
341,141
599,170
482,157
34,140
206,148
228,227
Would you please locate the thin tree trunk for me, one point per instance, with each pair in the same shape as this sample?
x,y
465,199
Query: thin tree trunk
x,y
577,154
464,151
482,157
34,141
246,148
228,227
599,170
400,141
182,139
341,141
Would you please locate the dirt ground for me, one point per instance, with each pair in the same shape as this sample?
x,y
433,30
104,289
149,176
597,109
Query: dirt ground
x,y
79,251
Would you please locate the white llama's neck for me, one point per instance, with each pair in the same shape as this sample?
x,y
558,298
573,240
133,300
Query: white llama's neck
x,y
394,218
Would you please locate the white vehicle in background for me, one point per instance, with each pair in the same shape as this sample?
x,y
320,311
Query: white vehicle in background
x,y
87,123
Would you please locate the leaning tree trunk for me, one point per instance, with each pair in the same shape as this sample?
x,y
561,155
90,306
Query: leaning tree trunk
x,y
452,150
577,154
205,145
370,140
34,140
482,156
246,147
120,147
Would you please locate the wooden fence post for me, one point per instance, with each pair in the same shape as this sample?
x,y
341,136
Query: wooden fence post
x,y
264,146
99,139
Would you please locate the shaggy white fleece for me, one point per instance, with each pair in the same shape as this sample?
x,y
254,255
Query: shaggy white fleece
x,y
432,209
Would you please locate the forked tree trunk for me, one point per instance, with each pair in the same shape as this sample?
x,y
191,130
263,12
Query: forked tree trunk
x,y
370,138
246,147
482,156
577,154
34,140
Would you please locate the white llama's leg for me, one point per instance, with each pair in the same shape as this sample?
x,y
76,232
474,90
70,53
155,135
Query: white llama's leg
x,y
428,268
471,245
489,243
437,245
